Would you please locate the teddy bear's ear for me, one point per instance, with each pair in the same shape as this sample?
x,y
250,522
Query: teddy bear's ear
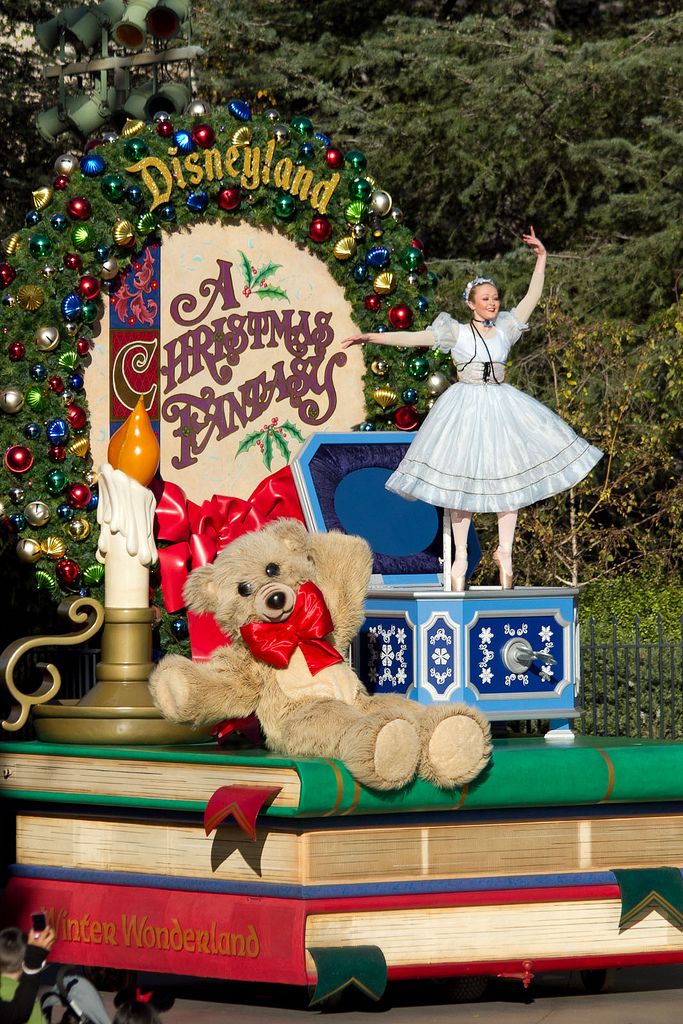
x,y
292,533
199,591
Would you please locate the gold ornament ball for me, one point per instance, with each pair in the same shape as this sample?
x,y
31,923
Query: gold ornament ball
x,y
437,383
90,478
123,232
37,513
28,550
345,248
132,127
78,529
381,202
42,197
242,136
46,338
54,548
72,329
380,367
385,397
80,447
66,164
11,400
48,271
12,244
30,297
384,283
280,133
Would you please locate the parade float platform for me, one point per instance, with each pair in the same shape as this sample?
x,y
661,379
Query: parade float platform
x,y
554,857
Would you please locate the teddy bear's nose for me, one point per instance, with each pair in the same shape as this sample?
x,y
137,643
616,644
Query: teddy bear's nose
x,y
277,600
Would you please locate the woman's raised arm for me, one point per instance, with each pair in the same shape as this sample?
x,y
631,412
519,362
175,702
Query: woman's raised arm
x,y
527,305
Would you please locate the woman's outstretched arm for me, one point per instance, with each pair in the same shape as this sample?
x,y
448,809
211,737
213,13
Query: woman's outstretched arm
x,y
409,339
527,305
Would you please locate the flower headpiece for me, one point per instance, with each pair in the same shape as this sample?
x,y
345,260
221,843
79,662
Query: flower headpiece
x,y
473,284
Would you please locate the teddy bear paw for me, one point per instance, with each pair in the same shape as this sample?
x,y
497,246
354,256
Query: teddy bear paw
x,y
458,749
397,752
170,688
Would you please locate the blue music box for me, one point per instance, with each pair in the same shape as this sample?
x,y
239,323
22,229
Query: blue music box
x,y
513,653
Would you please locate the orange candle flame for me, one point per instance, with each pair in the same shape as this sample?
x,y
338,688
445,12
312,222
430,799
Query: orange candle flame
x,y
134,448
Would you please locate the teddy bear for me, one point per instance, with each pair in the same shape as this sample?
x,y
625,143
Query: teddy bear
x,y
291,602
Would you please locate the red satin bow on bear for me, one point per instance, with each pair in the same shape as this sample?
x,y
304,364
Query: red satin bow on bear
x,y
309,623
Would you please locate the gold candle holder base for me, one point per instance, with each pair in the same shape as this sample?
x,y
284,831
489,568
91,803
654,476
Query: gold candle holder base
x,y
119,709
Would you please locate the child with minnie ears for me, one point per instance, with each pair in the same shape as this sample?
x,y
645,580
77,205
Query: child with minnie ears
x,y
140,1006
485,446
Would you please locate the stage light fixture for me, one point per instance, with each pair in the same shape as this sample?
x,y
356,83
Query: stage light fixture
x,y
51,123
48,32
131,30
166,17
86,31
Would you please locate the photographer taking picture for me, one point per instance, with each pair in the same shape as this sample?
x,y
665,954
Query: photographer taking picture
x,y
22,959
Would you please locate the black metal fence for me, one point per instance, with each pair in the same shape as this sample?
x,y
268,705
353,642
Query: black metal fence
x,y
631,688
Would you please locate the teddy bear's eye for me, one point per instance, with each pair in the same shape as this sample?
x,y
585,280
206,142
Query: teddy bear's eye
x,y
245,589
272,569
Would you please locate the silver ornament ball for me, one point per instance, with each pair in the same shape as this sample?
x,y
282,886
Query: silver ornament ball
x,y
437,383
109,268
37,513
198,108
380,202
28,550
66,164
11,400
47,338
397,214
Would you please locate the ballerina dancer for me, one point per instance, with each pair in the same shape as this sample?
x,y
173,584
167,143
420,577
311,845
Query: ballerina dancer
x,y
486,446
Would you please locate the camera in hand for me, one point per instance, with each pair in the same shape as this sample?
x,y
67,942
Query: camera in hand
x,y
39,922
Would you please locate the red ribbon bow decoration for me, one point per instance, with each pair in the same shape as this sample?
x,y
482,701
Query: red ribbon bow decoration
x,y
199,532
309,623
142,997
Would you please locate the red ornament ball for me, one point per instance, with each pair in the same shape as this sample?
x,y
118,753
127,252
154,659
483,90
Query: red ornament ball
x,y
334,158
56,384
417,243
79,208
78,495
89,286
203,135
19,458
320,229
373,303
164,129
16,351
56,453
406,418
67,571
83,347
7,274
72,261
229,198
400,317
77,417
60,183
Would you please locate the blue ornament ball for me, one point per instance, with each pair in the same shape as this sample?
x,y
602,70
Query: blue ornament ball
x,y
92,164
409,396
57,431
360,273
65,512
102,253
366,427
422,304
184,141
167,212
71,306
197,201
31,218
378,257
32,431
381,328
239,110
180,629
93,503
134,195
59,222
76,382
18,521
38,373
323,139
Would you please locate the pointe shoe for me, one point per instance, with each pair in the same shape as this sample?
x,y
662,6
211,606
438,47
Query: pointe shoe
x,y
503,559
459,572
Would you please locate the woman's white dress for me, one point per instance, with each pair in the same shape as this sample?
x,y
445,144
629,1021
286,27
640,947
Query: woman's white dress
x,y
486,446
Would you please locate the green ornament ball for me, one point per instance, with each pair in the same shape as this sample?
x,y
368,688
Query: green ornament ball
x,y
68,359
355,212
113,186
135,149
35,399
93,574
302,126
357,161
40,245
285,207
55,481
418,367
145,223
82,237
360,188
89,311
412,258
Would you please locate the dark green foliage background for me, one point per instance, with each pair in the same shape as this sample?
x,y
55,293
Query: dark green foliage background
x,y
481,118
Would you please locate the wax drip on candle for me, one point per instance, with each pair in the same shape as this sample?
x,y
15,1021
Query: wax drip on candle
x,y
134,448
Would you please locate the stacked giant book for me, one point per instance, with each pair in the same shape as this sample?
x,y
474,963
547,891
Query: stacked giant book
x,y
554,857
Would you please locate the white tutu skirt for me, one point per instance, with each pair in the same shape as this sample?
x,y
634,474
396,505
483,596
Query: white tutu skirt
x,y
491,448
